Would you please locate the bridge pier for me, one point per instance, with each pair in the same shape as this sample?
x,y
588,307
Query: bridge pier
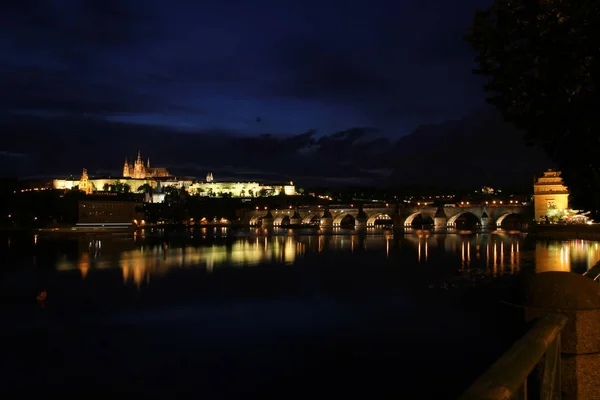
x,y
361,218
326,222
398,227
440,221
487,223
327,219
296,218
267,220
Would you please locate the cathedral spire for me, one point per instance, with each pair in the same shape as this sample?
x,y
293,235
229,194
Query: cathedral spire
x,y
139,158
126,171
148,162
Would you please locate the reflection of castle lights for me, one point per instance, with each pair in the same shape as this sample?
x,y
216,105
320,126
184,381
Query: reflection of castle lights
x,y
289,252
139,262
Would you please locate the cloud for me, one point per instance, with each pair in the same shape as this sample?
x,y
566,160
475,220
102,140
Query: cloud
x,y
191,66
63,146
66,145
11,154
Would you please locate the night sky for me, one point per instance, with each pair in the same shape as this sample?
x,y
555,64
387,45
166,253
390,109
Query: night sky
x,y
182,80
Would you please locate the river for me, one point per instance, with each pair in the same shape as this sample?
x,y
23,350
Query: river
x,y
282,313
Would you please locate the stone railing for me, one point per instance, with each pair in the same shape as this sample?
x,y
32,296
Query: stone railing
x,y
593,273
508,377
564,343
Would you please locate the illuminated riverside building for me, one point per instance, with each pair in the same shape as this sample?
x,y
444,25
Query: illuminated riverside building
x,y
549,191
139,176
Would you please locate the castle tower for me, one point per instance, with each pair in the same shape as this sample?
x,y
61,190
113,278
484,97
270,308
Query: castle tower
x,y
549,191
126,171
139,170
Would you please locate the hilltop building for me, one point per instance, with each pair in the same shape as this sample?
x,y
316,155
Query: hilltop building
x,y
549,191
138,170
141,178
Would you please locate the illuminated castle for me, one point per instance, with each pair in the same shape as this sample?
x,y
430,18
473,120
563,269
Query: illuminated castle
x,y
138,170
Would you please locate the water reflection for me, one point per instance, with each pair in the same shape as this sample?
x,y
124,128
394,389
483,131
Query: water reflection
x,y
497,254
568,255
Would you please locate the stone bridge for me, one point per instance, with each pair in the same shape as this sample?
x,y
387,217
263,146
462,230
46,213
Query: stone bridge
x,y
489,216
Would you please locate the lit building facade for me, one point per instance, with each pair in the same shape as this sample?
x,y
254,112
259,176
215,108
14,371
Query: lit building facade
x,y
109,211
210,188
549,191
99,184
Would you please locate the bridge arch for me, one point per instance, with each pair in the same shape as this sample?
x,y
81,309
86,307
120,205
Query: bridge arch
x,y
510,215
453,219
337,221
408,222
379,217
281,219
310,218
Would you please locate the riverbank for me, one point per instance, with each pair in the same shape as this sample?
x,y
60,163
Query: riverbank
x,y
578,231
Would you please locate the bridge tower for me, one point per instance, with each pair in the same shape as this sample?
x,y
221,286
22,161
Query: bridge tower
x,y
327,219
549,191
439,219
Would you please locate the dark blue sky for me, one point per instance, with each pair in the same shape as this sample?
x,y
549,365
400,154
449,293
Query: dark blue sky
x,y
201,66
196,86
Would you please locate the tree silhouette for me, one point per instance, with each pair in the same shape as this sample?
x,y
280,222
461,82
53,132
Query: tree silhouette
x,y
145,188
543,65
118,187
